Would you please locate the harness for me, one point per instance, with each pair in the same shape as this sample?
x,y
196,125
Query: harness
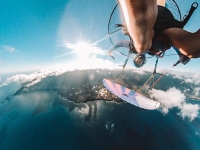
x,y
166,20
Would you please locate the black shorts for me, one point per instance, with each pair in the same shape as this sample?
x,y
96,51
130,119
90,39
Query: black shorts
x,y
165,20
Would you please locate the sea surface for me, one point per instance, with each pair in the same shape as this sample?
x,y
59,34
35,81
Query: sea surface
x,y
25,124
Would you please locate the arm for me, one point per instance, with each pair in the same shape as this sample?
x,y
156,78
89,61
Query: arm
x,y
140,17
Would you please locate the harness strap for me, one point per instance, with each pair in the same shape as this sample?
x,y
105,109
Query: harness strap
x,y
191,11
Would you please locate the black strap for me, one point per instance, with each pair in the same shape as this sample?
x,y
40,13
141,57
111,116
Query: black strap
x,y
187,17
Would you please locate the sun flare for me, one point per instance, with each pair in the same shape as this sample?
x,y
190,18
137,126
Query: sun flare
x,y
83,50
88,56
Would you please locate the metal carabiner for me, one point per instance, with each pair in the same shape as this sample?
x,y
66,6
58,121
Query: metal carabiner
x,y
195,3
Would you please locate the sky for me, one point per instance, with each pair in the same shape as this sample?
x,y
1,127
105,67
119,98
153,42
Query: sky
x,y
37,35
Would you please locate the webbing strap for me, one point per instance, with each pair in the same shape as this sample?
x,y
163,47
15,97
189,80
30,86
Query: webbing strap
x,y
155,65
191,11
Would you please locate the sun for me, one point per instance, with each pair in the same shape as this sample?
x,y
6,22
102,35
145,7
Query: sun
x,y
88,56
84,50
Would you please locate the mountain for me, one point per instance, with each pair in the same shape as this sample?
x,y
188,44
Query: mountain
x,y
86,85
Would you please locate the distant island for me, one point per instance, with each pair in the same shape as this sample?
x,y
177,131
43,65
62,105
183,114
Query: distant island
x,y
86,85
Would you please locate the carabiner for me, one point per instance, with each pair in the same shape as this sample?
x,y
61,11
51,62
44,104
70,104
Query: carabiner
x,y
195,3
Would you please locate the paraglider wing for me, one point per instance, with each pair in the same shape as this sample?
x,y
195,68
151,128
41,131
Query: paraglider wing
x,y
130,96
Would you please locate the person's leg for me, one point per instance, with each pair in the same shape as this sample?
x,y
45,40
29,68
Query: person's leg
x,y
188,43
140,17
161,2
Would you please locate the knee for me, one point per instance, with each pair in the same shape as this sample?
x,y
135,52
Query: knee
x,y
191,54
196,54
142,48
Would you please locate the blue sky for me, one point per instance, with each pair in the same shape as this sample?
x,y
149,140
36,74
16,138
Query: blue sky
x,y
33,33
30,28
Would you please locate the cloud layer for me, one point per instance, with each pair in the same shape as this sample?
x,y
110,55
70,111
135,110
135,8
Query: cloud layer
x,y
8,48
175,98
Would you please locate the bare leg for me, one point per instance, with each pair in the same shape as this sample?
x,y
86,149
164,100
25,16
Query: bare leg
x,y
161,2
188,43
140,17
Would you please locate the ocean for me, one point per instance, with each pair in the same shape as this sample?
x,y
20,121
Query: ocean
x,y
93,125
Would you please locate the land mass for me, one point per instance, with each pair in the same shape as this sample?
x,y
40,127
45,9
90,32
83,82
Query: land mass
x,y
86,85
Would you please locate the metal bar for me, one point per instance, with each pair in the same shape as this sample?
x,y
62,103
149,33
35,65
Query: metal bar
x,y
158,80
110,20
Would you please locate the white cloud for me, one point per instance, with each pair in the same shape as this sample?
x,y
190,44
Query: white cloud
x,y
139,71
169,99
8,49
22,78
91,63
83,110
197,91
174,98
187,77
189,110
